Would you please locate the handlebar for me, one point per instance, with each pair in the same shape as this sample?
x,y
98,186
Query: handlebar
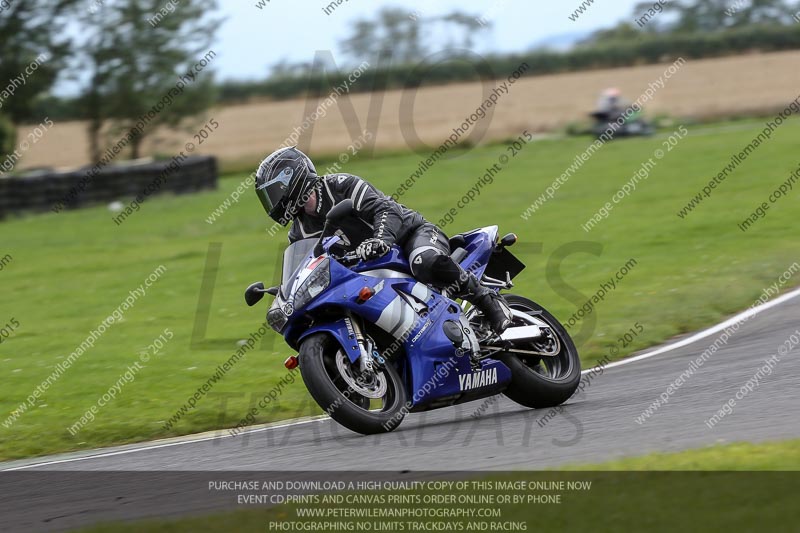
x,y
348,259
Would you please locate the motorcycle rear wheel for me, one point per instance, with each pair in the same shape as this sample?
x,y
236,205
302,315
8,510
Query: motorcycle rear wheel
x,y
542,381
322,362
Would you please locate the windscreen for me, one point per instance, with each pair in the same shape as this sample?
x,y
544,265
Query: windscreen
x,y
294,255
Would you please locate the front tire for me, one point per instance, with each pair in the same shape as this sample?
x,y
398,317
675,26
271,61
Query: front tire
x,y
321,363
542,381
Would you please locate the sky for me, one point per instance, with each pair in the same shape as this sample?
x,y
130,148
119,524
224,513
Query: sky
x,y
252,39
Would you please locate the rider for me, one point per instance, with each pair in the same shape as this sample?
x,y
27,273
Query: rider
x,y
290,190
610,105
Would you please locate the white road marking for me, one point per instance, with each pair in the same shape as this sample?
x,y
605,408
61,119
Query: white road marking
x,y
708,332
158,444
749,313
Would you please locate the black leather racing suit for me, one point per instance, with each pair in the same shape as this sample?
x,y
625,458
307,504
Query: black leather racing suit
x,y
379,216
427,248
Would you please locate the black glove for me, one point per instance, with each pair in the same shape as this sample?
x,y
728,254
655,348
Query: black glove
x,y
371,249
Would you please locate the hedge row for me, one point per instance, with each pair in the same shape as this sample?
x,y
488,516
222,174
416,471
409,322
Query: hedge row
x,y
648,49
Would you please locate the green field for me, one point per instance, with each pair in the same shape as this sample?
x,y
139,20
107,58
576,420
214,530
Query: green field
x,y
780,456
621,499
71,270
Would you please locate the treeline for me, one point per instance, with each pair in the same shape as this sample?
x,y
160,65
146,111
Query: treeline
x,y
646,49
131,60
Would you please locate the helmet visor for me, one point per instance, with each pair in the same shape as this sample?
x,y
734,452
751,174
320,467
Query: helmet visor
x,y
273,192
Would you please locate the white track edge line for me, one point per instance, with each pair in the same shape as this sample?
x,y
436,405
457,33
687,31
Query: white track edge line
x,y
747,314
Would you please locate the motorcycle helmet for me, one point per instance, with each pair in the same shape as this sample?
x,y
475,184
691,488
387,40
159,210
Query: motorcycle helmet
x,y
282,181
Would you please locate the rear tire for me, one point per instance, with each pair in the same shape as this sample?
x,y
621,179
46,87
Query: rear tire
x,y
329,389
534,383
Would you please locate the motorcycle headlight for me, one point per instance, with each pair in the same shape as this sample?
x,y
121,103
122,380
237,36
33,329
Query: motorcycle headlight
x,y
316,282
276,318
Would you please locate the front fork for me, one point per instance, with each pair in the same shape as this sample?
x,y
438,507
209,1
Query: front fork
x,y
369,355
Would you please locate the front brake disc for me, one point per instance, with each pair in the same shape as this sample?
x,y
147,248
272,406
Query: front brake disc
x,y
374,386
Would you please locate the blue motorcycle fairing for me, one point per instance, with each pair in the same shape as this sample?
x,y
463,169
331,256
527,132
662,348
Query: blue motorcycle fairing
x,y
479,246
386,308
437,370
340,331
435,373
395,259
454,381
343,293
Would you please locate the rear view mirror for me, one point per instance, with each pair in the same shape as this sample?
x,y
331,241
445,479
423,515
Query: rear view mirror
x,y
254,293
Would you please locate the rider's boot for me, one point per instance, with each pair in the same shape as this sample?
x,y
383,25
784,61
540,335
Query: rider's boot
x,y
491,304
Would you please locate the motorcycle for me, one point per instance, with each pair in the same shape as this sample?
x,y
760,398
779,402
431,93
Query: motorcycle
x,y
374,344
605,123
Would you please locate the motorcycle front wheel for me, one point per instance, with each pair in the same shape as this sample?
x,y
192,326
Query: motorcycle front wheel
x,y
367,403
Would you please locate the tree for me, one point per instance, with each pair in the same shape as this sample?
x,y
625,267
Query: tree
x,y
764,12
620,32
466,27
713,15
32,38
138,50
362,41
8,138
698,16
409,36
